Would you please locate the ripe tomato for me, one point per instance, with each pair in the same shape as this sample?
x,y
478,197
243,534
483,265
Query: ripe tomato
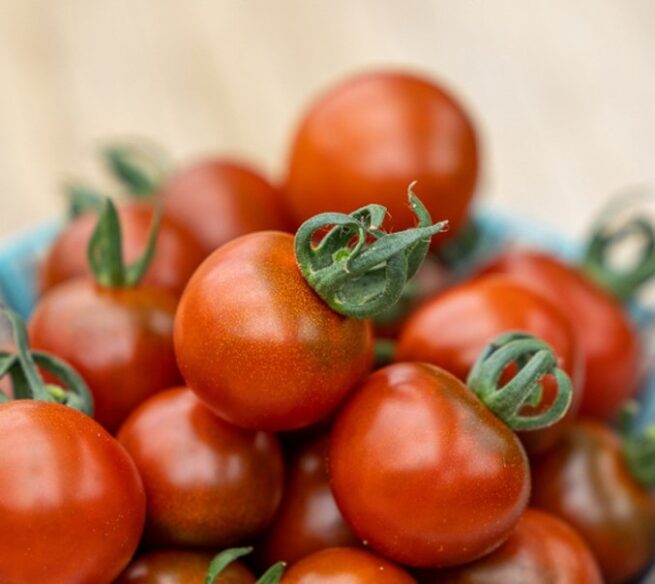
x,y
258,346
541,550
423,471
208,484
177,253
609,341
308,519
354,566
451,329
372,134
119,340
585,481
72,504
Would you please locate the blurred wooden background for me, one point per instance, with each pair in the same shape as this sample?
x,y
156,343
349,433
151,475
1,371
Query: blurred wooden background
x,y
563,91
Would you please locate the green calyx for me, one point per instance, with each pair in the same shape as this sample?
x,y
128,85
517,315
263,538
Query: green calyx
x,y
105,251
23,369
272,576
82,198
357,268
638,446
534,359
141,168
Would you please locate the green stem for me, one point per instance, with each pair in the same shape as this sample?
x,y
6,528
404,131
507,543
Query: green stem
x,y
638,447
221,561
140,168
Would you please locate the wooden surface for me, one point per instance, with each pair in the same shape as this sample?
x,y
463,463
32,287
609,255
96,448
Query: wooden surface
x,y
563,91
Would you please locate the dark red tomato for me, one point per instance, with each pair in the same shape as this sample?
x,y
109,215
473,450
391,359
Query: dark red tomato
x,y
181,567
258,345
541,550
608,339
345,565
584,481
208,484
452,329
308,519
72,504
218,200
370,136
119,340
423,471
177,254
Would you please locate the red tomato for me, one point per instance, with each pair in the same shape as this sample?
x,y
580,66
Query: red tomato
x,y
176,256
217,200
119,340
258,346
452,329
208,483
608,339
423,471
308,519
345,565
180,567
541,550
584,480
369,137
72,505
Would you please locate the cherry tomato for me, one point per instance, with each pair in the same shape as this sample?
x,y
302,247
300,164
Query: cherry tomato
x,y
585,481
609,341
181,567
452,328
72,504
423,471
371,135
541,550
218,200
176,256
208,484
341,565
308,519
258,346
119,340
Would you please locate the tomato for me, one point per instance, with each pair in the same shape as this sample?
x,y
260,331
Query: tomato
x,y
609,341
371,135
308,519
585,481
218,200
208,483
119,339
72,504
180,567
354,566
423,471
258,346
176,257
451,329
541,550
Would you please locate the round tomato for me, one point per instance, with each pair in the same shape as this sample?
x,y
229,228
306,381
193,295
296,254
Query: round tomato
x,y
423,472
208,484
370,136
72,505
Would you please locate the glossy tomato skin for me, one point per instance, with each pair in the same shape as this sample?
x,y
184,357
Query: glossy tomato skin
x,y
367,138
608,339
258,346
208,483
339,565
584,481
72,504
423,471
177,254
541,550
451,330
120,341
218,200
308,519
180,567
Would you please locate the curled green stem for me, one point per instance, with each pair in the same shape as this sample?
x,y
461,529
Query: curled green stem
x,y
272,576
534,360
141,168
638,446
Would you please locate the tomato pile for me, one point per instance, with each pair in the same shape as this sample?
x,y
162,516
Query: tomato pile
x,y
225,377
